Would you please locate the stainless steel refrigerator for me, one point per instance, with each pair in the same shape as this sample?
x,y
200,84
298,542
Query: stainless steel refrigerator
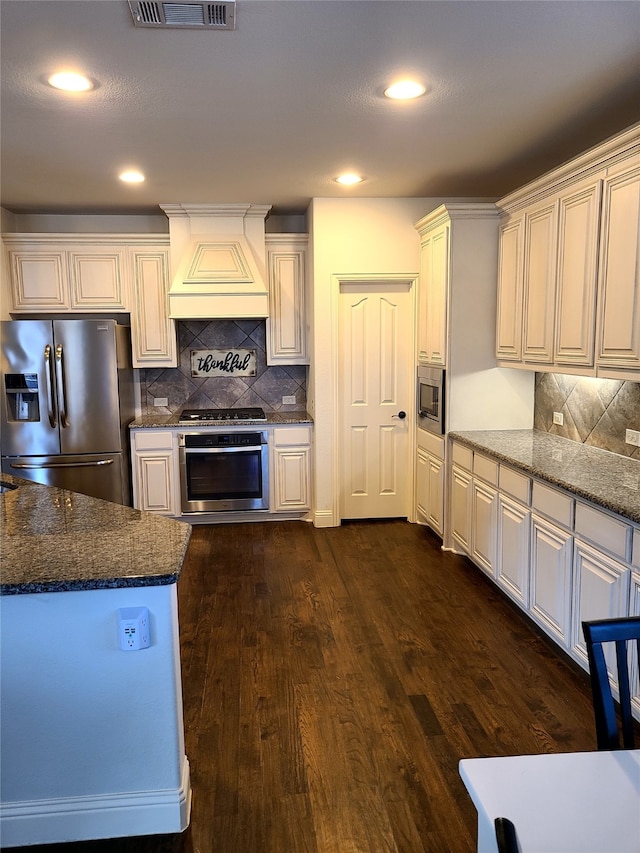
x,y
67,397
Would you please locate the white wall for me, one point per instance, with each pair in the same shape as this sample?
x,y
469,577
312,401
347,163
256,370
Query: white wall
x,y
91,736
368,236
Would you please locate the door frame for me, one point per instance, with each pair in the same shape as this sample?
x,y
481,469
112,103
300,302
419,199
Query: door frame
x,y
411,280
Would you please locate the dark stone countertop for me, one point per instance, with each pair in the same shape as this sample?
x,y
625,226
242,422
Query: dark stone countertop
x,y
604,478
171,421
54,540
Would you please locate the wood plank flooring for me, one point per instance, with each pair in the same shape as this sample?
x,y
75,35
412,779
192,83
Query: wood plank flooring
x,y
334,678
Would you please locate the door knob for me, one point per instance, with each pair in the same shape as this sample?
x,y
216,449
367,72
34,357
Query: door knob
x,y
401,415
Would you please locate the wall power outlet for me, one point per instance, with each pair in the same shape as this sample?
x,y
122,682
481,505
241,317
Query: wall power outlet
x,y
134,628
632,436
558,418
289,400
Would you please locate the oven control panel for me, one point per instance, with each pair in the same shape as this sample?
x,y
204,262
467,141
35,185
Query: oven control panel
x,y
222,439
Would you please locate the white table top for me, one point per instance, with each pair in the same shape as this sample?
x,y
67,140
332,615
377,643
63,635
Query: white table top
x,y
580,802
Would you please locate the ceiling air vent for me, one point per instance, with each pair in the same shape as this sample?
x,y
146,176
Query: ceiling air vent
x,y
179,16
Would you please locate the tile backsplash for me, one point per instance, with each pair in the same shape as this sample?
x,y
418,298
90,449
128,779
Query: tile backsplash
x,y
265,389
595,411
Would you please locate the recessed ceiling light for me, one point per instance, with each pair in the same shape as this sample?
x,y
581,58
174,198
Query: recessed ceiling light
x,y
349,179
131,176
404,90
69,81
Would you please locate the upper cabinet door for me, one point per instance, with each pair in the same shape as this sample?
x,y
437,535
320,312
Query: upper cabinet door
x,y
434,286
287,327
509,319
39,278
578,225
619,286
98,278
153,333
540,242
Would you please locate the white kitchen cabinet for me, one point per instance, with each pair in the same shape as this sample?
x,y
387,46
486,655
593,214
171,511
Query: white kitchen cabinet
x,y
510,290
57,274
287,326
540,246
573,237
290,469
512,551
433,293
619,285
577,265
430,470
550,578
600,591
461,497
484,517
97,275
430,490
153,333
155,471
39,277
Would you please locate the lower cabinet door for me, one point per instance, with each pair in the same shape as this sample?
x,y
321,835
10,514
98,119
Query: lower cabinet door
x,y
291,475
430,490
600,591
550,579
154,482
461,508
512,553
483,526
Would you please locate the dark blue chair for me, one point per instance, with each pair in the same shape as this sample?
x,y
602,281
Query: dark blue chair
x,y
622,633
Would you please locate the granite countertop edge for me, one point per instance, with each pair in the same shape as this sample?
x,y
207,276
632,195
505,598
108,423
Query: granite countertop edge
x,y
55,540
591,473
160,421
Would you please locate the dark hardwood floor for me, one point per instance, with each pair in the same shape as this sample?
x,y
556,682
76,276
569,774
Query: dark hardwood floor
x,y
334,678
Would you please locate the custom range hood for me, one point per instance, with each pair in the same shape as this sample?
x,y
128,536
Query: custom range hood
x,y
217,261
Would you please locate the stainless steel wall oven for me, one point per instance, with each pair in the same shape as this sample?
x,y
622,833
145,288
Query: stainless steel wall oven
x,y
431,403
224,472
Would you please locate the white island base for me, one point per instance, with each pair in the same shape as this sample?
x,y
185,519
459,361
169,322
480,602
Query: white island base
x,y
92,739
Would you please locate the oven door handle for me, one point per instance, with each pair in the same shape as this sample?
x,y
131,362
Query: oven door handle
x,y
244,448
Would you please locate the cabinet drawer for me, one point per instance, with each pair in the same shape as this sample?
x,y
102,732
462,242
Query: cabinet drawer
x,y
286,436
604,531
515,484
153,439
635,557
553,504
462,456
485,468
433,444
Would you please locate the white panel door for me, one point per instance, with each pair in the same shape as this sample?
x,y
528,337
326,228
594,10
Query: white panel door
x,y
376,386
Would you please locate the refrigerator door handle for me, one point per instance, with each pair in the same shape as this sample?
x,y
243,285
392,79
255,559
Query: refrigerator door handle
x,y
48,369
24,465
62,391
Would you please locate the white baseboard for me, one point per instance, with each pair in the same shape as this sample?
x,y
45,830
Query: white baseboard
x,y
103,816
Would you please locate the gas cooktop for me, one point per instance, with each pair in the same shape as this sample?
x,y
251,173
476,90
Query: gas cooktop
x,y
188,416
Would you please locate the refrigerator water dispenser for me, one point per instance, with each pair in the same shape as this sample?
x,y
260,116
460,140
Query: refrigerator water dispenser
x,y
22,396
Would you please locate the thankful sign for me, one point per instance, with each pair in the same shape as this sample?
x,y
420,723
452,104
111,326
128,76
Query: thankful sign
x,y
223,362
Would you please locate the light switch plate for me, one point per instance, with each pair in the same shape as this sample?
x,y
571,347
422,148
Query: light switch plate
x,y
558,418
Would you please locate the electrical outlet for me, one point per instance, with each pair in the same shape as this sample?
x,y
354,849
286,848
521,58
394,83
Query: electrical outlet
x,y
134,628
632,436
558,418
161,401
289,400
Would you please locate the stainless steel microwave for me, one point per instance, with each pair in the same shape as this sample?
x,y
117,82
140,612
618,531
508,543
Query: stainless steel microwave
x,y
431,399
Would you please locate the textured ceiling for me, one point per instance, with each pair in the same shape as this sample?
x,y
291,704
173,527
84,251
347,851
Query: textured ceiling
x,y
271,112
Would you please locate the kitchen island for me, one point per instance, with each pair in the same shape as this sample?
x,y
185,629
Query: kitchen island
x,y
92,742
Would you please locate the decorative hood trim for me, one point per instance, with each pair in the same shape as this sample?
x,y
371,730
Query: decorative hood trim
x,y
218,261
